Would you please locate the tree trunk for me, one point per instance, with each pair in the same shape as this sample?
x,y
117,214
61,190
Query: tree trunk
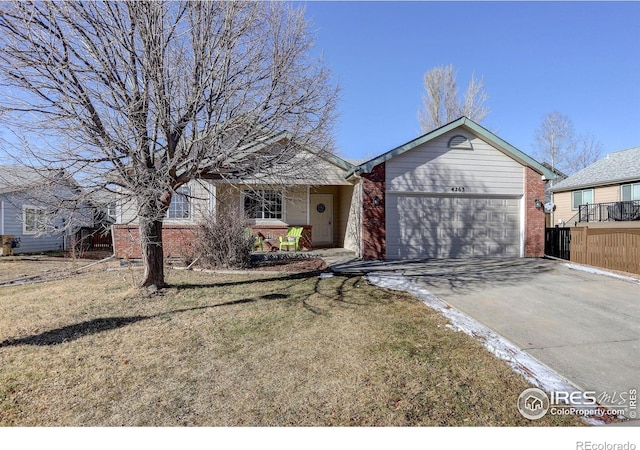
x,y
152,253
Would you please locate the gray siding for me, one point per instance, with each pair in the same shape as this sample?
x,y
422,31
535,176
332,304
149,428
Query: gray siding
x,y
453,203
29,243
434,168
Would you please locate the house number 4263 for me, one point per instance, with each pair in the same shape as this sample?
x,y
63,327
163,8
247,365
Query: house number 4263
x,y
457,189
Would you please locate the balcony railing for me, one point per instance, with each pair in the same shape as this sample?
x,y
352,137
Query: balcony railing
x,y
605,212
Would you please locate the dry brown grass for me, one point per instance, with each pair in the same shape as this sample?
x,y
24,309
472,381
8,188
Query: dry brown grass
x,y
42,266
228,350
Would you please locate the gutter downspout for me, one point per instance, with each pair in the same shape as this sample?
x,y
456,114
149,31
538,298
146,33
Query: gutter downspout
x,y
1,218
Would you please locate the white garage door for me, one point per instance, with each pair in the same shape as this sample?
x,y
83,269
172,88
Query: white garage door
x,y
452,227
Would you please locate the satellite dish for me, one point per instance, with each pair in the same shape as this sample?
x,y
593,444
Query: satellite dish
x,y
549,207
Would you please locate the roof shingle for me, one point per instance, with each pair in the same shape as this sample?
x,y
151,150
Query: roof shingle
x,y
616,167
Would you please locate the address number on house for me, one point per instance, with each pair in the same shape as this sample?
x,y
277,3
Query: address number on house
x,y
457,189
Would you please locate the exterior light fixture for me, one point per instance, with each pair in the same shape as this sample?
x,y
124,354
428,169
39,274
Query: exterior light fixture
x,y
376,200
538,204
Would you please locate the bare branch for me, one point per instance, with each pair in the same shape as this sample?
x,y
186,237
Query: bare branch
x,y
147,95
441,103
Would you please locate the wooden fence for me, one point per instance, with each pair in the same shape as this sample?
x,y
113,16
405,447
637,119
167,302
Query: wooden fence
x,y
609,248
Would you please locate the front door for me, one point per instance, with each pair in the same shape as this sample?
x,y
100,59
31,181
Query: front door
x,y
321,218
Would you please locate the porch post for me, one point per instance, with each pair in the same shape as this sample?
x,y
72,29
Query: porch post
x,y
308,204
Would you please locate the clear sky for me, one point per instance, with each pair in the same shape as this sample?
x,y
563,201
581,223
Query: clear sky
x,y
579,58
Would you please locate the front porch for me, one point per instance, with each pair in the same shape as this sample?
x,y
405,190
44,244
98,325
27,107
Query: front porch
x,y
328,215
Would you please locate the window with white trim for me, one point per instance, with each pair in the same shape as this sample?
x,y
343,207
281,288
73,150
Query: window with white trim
x,y
263,204
112,211
581,197
179,208
630,192
34,220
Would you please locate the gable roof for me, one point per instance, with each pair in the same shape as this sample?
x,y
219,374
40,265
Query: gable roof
x,y
269,140
616,167
19,178
471,126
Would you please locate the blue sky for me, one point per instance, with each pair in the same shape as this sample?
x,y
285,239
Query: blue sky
x,y
579,58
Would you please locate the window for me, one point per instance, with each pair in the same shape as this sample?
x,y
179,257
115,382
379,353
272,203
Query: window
x,y
581,198
111,211
34,220
460,142
179,207
263,204
630,192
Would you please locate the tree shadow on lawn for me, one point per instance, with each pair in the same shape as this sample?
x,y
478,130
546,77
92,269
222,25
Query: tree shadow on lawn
x,y
73,332
339,297
77,331
260,278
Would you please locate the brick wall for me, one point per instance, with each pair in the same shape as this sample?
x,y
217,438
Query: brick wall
x,y
176,240
534,221
374,240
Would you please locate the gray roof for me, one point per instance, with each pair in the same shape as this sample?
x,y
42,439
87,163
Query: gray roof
x,y
20,178
13,178
617,167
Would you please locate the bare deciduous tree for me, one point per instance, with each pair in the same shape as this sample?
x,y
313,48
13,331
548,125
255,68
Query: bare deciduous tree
x,y
557,143
441,103
140,97
586,151
554,140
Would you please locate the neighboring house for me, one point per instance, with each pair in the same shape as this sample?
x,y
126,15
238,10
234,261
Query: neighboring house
x,y
458,191
606,193
30,212
95,232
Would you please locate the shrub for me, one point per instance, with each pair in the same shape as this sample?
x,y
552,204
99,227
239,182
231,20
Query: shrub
x,y
222,241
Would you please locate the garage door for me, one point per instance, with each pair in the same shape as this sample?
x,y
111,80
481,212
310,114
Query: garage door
x,y
452,227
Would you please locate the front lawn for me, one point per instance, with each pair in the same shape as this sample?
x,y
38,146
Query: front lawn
x,y
229,350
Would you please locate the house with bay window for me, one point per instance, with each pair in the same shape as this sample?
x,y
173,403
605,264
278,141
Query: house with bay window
x,y
604,194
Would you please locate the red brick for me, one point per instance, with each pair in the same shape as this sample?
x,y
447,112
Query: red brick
x,y
534,221
374,240
176,240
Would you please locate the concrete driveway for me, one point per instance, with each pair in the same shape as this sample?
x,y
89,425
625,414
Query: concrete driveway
x,y
584,326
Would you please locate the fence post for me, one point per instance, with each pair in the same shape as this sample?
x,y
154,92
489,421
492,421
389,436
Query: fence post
x,y
585,246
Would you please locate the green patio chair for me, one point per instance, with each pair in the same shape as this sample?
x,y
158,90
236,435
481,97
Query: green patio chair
x,y
292,239
258,241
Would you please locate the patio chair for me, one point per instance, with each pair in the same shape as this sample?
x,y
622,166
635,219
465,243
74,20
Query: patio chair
x,y
292,239
258,241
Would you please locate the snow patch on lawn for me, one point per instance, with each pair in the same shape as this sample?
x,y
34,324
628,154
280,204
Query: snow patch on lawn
x,y
524,364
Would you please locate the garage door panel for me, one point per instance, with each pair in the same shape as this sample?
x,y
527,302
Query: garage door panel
x,y
452,227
